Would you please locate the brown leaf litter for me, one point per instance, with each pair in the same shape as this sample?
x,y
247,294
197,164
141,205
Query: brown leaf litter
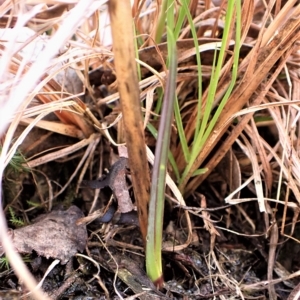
x,y
53,235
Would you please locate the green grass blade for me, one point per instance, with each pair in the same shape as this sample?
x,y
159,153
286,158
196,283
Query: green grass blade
x,y
161,22
185,8
171,158
234,73
160,95
182,138
157,197
180,20
205,130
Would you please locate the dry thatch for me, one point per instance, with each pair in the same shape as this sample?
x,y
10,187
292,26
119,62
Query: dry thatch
x,y
60,104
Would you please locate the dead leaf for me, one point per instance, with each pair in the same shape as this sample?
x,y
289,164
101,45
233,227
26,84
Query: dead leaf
x,y
53,235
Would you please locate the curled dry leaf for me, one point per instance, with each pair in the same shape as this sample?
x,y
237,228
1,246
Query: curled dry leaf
x,y
53,235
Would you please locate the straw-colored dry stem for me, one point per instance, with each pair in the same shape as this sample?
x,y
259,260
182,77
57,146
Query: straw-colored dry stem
x,y
123,44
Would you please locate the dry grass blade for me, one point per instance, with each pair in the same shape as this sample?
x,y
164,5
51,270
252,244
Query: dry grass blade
x,y
271,259
262,154
121,21
69,130
56,92
295,294
249,151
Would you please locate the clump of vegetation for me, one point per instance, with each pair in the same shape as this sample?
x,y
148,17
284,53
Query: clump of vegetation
x,y
203,94
4,263
18,222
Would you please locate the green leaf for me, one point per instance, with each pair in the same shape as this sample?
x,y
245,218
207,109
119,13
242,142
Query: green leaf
x,y
157,195
200,172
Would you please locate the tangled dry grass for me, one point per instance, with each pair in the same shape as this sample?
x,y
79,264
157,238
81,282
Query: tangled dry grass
x,y
55,107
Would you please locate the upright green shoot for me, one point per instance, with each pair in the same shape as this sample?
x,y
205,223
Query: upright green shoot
x,y
157,196
185,11
161,22
181,18
206,127
198,60
171,158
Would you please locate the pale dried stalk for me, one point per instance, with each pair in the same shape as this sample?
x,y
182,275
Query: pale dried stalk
x,y
123,43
